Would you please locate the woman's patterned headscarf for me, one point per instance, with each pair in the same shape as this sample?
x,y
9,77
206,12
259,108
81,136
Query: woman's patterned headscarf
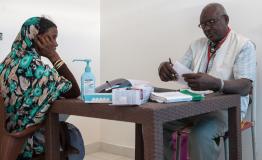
x,y
25,38
28,86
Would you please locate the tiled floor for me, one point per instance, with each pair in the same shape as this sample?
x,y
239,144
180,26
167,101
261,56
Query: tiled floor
x,y
105,156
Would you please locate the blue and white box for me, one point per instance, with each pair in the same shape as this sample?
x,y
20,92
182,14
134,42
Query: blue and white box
x,y
98,98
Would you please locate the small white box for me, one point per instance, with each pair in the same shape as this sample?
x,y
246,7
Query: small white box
x,y
131,96
127,96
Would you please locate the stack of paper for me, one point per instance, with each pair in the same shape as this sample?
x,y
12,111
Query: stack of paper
x,y
177,96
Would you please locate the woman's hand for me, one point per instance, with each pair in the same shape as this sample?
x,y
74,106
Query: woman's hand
x,y
46,47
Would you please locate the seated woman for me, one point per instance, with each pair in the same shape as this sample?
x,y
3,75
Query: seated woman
x,y
28,85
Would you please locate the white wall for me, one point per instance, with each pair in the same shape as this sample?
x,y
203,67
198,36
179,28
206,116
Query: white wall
x,y
79,37
136,35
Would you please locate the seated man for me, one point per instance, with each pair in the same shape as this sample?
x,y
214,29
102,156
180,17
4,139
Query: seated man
x,y
223,61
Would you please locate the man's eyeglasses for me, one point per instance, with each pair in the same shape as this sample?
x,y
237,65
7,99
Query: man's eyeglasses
x,y
210,22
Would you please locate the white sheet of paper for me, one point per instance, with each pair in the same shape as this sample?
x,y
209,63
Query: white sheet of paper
x,y
181,69
135,82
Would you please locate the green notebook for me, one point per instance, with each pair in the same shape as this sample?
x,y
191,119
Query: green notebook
x,y
195,96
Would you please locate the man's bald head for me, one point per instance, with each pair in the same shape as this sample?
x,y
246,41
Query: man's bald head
x,y
214,21
216,8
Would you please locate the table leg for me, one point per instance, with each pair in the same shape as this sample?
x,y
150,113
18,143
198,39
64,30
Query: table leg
x,y
139,147
153,141
234,134
52,144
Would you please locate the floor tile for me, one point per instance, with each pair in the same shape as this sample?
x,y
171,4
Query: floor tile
x,y
124,158
89,157
104,156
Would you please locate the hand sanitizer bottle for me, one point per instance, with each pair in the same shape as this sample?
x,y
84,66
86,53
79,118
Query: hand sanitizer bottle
x,y
87,79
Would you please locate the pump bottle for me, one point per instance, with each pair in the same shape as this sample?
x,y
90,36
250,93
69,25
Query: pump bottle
x,y
87,79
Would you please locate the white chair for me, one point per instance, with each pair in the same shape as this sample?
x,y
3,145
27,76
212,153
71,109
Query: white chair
x,y
247,124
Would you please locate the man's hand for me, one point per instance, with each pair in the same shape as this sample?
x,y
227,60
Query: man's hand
x,y
166,72
202,81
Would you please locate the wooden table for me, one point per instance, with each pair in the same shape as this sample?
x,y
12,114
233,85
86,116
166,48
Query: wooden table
x,y
149,117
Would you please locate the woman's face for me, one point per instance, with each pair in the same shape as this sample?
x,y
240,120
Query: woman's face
x,y
51,33
46,43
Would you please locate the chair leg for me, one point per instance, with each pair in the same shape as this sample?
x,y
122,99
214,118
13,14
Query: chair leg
x,y
178,143
253,142
225,147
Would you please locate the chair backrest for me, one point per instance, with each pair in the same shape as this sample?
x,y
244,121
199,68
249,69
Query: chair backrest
x,y
11,143
2,115
251,112
10,147
254,102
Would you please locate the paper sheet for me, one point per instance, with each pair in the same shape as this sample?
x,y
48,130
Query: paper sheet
x,y
205,92
138,82
170,97
181,69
